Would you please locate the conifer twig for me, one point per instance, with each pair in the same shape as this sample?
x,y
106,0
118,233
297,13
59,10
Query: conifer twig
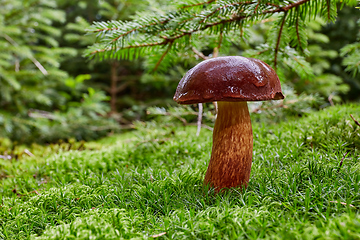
x,y
328,8
131,46
199,54
341,162
30,154
298,34
180,33
163,56
36,62
158,235
287,7
356,122
222,7
279,39
342,203
197,4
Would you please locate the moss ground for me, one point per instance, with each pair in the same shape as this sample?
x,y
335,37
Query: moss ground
x,y
305,184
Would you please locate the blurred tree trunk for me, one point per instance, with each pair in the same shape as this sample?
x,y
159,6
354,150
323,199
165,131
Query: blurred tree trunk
x,y
113,87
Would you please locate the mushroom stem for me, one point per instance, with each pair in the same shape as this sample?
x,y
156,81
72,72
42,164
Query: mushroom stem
x,y
231,156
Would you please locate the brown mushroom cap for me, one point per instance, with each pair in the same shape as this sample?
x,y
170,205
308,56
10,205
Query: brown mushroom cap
x,y
229,79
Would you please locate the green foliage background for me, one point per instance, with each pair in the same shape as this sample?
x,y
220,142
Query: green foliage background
x,y
50,91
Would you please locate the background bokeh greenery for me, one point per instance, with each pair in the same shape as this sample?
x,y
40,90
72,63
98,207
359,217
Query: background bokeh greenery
x,y
49,91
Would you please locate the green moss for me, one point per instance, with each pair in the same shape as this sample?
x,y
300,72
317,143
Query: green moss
x,y
304,184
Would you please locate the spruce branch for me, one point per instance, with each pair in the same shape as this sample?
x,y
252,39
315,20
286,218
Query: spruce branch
x,y
197,18
223,7
162,56
287,7
279,39
298,34
197,4
328,8
131,46
139,28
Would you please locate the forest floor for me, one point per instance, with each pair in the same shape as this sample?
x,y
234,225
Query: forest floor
x,y
148,183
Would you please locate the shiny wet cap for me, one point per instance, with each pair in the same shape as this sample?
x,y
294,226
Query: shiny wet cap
x,y
231,79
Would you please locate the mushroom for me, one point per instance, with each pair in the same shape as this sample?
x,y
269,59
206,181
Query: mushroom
x,y
231,81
